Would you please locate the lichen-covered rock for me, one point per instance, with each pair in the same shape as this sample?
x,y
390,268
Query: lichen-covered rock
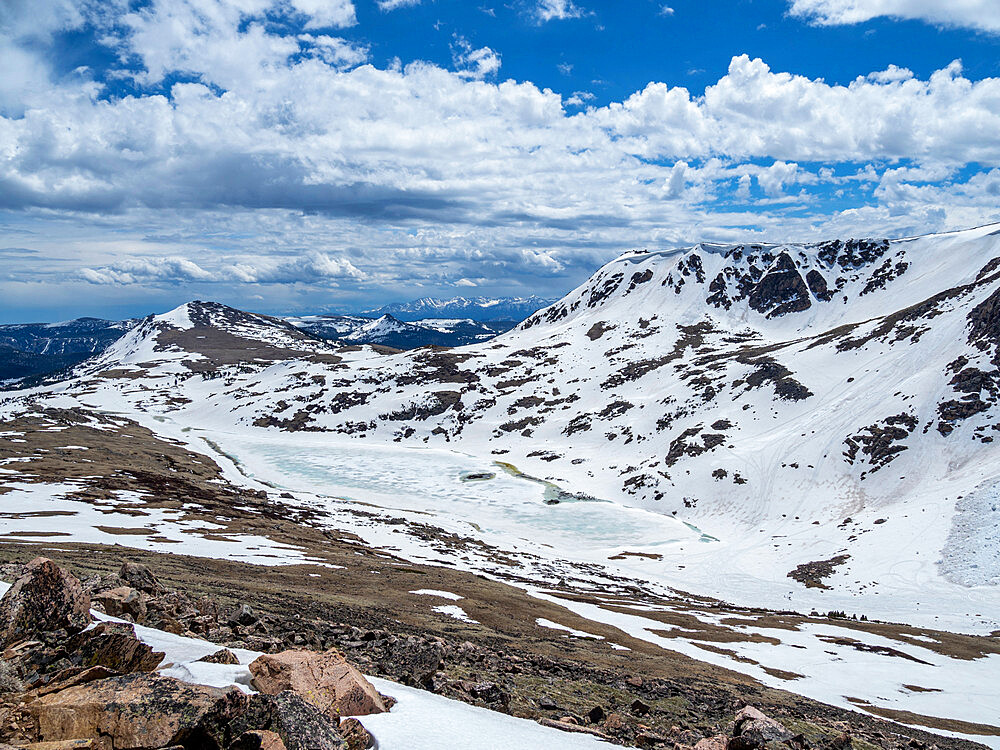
x,y
415,660
259,739
44,599
222,656
140,711
755,730
140,577
299,724
113,645
123,601
326,680
355,735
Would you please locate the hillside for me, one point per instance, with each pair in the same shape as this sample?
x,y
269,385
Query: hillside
x,y
798,428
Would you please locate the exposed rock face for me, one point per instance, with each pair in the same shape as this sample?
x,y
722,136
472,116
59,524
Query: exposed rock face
x,y
781,290
326,680
140,711
44,599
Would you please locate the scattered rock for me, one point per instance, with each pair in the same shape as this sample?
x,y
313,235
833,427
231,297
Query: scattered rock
x,y
123,601
416,660
299,724
639,708
258,740
355,735
574,728
113,645
718,742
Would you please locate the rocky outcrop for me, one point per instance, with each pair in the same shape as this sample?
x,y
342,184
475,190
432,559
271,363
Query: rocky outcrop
x,y
299,724
139,711
75,688
44,599
326,680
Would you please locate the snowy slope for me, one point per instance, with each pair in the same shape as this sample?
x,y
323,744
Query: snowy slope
x,y
839,395
825,411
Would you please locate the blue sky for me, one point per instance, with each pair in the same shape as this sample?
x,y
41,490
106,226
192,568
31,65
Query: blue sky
x,y
307,155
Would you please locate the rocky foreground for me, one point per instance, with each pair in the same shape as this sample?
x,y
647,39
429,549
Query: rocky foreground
x,y
70,683
67,681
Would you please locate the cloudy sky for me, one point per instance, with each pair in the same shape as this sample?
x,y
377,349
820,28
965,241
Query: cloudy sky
x,y
308,155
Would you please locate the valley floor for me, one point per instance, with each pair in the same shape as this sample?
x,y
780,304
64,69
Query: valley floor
x,y
428,541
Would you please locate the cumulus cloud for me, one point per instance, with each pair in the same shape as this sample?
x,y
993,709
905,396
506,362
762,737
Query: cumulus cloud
x,y
975,14
146,270
312,268
275,141
474,63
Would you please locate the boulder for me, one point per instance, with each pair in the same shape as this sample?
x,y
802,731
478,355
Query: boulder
x,y
355,735
44,599
326,680
755,730
299,725
259,739
140,711
123,601
140,577
222,656
113,645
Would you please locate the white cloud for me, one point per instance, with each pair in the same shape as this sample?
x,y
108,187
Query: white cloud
x,y
559,10
386,5
676,181
147,270
411,174
326,13
666,10
474,63
337,52
312,268
976,14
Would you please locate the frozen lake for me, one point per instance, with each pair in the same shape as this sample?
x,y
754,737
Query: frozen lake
x,y
431,483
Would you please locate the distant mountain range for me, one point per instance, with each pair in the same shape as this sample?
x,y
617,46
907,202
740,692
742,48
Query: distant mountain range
x,y
35,350
388,330
473,308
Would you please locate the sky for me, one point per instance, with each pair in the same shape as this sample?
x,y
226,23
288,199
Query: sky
x,y
292,156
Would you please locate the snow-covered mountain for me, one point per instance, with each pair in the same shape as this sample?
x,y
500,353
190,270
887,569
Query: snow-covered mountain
x,y
792,427
475,308
823,411
388,330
